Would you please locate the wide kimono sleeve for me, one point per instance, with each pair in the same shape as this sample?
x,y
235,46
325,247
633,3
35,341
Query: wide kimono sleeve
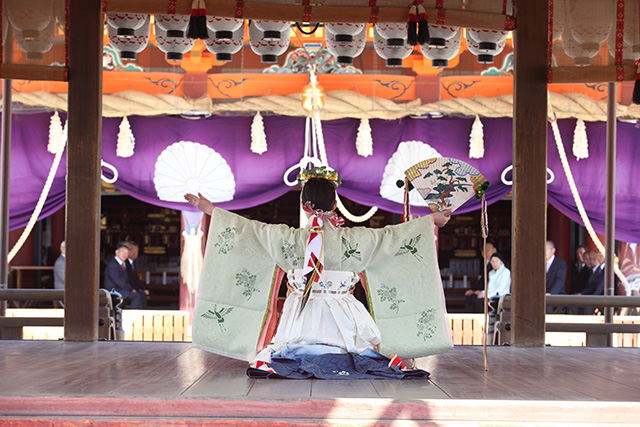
x,y
237,280
405,292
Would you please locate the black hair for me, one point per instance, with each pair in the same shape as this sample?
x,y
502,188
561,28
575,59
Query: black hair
x,y
500,257
121,245
320,193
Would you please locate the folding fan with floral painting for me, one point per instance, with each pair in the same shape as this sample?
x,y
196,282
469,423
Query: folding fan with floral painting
x,y
446,183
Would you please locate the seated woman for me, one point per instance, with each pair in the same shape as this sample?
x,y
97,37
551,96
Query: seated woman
x,y
499,278
321,318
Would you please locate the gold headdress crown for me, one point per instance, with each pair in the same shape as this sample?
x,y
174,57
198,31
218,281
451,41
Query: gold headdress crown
x,y
319,172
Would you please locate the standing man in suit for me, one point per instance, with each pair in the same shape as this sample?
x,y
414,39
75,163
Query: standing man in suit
x,y
116,278
556,274
134,279
59,268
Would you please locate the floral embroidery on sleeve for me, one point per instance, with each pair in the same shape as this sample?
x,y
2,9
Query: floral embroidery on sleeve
x,y
426,327
390,294
248,281
226,240
289,252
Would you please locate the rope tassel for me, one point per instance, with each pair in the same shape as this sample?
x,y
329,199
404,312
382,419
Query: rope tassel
x,y
417,24
198,21
412,25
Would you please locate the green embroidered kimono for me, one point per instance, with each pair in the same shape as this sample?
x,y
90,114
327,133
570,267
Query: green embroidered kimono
x,y
404,289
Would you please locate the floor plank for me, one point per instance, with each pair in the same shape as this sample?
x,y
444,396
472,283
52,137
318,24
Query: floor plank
x,y
226,379
342,388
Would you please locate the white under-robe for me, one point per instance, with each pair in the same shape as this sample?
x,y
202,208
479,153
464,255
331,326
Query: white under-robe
x,y
332,316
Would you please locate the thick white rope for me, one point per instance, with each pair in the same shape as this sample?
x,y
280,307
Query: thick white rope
x,y
579,205
39,205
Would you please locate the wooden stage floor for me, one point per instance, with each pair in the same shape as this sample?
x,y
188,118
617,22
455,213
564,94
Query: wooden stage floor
x,y
175,384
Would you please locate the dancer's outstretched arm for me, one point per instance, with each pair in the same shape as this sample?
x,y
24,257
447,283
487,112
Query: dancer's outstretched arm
x,y
200,202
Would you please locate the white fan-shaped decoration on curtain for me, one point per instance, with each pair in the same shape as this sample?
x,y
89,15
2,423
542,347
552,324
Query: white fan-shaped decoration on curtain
x,y
190,167
407,154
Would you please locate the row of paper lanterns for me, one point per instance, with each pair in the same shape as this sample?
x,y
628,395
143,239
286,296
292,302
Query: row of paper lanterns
x,y
583,26
129,35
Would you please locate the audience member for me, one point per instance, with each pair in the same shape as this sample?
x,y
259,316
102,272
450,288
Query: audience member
x,y
59,268
474,303
116,278
134,279
556,275
595,284
499,277
580,272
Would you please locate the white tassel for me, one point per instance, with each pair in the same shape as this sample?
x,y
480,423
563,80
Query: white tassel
x,y
126,140
258,137
57,136
476,140
580,142
364,140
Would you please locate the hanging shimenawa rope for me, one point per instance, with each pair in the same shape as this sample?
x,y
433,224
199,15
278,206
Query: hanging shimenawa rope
x,y
43,197
576,198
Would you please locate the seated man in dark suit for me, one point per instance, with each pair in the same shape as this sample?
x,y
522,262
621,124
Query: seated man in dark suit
x,y
595,284
556,274
116,278
580,272
134,279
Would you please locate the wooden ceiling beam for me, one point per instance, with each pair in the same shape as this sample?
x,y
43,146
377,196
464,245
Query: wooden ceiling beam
x,y
294,13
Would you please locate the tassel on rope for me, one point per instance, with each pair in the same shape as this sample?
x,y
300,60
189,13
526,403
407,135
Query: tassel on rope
x,y
364,140
580,142
126,140
476,140
258,136
57,138
198,21
412,25
423,25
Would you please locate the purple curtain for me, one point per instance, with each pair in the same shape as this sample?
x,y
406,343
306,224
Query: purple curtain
x,y
259,178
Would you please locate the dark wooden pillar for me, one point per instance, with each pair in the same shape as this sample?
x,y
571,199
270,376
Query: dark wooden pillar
x,y
529,173
84,150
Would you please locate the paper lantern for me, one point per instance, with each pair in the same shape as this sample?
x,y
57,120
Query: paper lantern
x,y
223,28
172,25
440,56
29,17
273,30
487,40
173,47
631,31
344,32
346,51
392,54
628,55
129,47
440,34
269,50
590,21
36,47
393,33
126,24
224,48
485,56
581,56
559,18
